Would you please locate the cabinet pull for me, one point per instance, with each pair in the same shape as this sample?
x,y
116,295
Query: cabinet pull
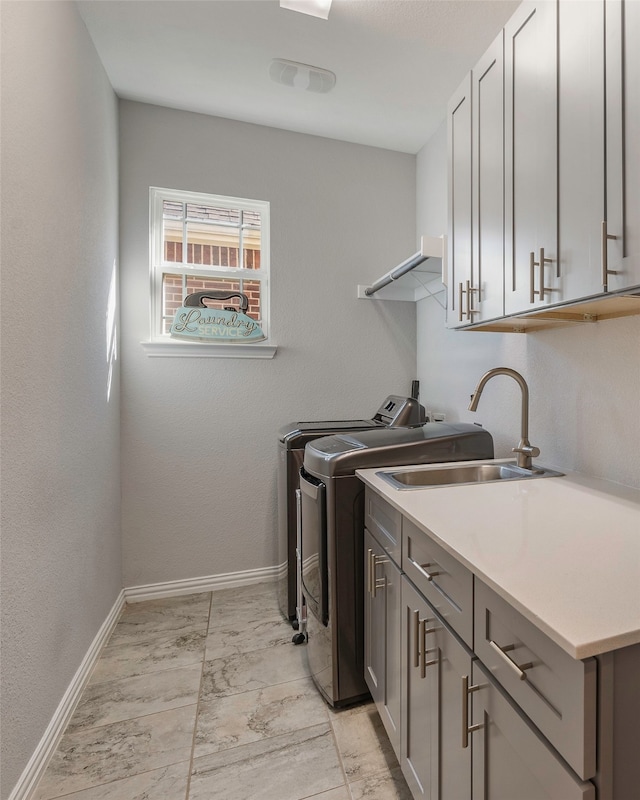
x,y
542,260
470,291
466,728
375,560
532,265
422,569
369,554
423,633
460,293
604,256
502,652
416,638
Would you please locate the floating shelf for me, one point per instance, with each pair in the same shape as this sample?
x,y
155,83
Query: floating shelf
x,y
408,281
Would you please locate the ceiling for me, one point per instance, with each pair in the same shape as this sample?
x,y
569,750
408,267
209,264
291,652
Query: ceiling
x,y
396,61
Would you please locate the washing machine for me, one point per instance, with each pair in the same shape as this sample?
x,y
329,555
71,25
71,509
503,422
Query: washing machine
x,y
395,411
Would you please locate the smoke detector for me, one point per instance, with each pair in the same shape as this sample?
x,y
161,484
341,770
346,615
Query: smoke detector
x,y
302,76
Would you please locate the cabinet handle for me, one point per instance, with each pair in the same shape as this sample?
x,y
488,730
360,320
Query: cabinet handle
x,y
466,728
423,571
502,652
470,291
423,633
416,638
532,265
369,554
542,260
460,293
375,560
604,256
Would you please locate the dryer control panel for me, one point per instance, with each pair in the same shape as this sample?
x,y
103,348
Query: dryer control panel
x,y
400,412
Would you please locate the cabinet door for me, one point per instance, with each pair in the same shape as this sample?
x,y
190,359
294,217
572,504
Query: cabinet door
x,y
581,143
509,758
433,759
382,640
451,761
531,157
623,144
459,240
419,711
487,290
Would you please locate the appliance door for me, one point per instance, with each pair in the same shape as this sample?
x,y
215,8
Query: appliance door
x,y
313,545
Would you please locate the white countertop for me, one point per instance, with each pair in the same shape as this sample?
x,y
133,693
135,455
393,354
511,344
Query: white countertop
x,y
565,552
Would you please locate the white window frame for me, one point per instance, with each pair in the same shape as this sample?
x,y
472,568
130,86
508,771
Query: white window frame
x,y
160,343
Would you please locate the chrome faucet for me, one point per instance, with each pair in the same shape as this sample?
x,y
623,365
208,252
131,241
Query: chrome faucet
x,y
524,449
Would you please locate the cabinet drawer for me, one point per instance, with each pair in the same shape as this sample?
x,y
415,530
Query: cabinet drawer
x,y
446,583
557,692
384,523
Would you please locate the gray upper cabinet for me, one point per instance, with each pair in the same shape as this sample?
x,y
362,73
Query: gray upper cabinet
x,y
581,145
486,300
622,254
476,192
459,180
531,158
599,152
544,169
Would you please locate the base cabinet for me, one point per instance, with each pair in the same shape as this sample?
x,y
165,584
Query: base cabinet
x,y
461,737
382,613
510,759
434,663
489,707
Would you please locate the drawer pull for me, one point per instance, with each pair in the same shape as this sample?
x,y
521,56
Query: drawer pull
x,y
466,728
519,669
422,569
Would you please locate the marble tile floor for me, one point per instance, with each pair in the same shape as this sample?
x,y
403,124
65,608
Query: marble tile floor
x,y
203,697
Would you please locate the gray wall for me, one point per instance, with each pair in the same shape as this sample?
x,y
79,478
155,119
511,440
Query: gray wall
x,y
61,567
199,436
584,381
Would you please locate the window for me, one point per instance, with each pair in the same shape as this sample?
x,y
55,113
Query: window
x,y
203,242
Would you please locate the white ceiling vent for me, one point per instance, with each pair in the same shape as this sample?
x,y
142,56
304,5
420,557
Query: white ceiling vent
x,y
302,76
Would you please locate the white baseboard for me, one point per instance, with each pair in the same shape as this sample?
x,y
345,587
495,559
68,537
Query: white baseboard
x,y
47,745
206,583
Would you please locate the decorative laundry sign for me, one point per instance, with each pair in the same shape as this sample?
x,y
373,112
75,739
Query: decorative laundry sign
x,y
195,321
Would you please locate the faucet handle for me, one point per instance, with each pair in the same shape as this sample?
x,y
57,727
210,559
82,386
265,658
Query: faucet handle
x,y
526,452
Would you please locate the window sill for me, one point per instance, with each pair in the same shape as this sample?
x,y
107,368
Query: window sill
x,y
173,349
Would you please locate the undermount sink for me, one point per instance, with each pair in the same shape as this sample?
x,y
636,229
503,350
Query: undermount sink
x,y
458,474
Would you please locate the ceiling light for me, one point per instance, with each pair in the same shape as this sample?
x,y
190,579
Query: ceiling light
x,y
302,76
315,8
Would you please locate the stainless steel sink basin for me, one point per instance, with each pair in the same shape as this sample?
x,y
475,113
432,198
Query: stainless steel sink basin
x,y
458,474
